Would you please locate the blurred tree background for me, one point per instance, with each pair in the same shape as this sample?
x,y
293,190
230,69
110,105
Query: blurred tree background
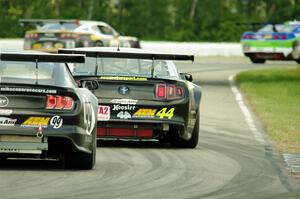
x,y
173,20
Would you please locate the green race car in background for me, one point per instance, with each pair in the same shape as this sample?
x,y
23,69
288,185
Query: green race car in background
x,y
272,42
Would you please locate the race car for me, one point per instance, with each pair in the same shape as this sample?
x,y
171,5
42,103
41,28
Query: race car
x,y
51,34
140,94
272,42
43,113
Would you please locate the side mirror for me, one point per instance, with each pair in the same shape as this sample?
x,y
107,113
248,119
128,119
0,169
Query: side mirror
x,y
186,76
91,85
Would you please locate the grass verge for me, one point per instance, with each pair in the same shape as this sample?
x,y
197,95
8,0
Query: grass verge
x,y
274,95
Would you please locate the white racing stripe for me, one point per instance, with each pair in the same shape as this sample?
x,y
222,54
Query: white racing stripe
x,y
248,117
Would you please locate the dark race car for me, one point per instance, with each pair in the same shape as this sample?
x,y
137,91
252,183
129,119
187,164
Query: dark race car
x,y
140,94
51,34
43,113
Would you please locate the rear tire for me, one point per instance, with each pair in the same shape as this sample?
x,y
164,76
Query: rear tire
x,y
75,159
257,61
191,143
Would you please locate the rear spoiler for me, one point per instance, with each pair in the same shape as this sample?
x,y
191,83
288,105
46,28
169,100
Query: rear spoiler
x,y
130,55
40,57
44,21
255,25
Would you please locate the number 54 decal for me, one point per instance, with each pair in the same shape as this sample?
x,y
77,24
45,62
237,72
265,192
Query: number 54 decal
x,y
164,112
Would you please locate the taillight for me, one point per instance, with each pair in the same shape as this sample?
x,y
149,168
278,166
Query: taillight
x,y
69,36
161,91
31,35
248,37
284,36
169,92
59,102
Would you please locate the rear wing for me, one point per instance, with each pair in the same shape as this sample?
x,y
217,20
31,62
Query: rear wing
x,y
40,22
129,55
40,57
255,25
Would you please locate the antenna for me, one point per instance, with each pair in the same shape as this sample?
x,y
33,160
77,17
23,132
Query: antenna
x,y
36,71
96,69
118,49
152,67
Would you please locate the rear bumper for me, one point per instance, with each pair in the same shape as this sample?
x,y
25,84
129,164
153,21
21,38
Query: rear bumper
x,y
277,53
21,139
135,129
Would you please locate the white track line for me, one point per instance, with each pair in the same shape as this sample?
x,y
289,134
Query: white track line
x,y
248,117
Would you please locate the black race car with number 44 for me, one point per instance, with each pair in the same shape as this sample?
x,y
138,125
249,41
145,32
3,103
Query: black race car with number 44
x,y
140,94
43,113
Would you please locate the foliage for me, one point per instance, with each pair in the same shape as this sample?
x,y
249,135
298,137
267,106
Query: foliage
x,y
178,20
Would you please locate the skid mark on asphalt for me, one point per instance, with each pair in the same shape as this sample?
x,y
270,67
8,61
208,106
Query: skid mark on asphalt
x,y
248,118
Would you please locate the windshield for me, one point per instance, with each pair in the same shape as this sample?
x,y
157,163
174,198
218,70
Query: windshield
x,y
125,67
53,74
59,26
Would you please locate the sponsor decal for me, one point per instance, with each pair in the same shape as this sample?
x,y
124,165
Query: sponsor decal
x,y
3,101
5,121
124,115
103,113
117,107
145,112
28,90
151,113
124,78
124,101
36,122
89,115
164,112
5,112
56,121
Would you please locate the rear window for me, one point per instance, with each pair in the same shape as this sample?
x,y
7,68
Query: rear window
x,y
53,74
58,26
124,67
279,28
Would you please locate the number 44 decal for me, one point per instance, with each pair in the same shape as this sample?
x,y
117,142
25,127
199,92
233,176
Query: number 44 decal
x,y
164,112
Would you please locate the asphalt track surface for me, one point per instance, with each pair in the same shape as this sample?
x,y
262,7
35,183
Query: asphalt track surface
x,y
228,162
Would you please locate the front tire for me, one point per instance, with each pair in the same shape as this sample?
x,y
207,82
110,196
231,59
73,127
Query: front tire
x,y
99,44
257,61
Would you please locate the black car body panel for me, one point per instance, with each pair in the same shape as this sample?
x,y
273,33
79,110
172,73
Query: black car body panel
x,y
36,118
132,102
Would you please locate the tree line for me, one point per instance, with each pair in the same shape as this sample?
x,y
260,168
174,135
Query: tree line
x,y
171,20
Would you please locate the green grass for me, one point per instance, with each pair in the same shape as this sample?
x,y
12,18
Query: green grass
x,y
274,95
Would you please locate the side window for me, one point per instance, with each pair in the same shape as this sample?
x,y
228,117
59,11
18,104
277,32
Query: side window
x,y
106,30
96,29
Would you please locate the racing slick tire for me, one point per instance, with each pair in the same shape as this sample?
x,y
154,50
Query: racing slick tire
x,y
257,61
296,51
191,143
75,159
